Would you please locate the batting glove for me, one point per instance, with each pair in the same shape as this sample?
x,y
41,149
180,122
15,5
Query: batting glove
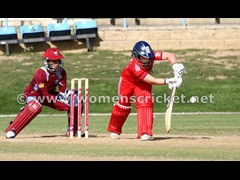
x,y
179,82
173,82
170,82
178,69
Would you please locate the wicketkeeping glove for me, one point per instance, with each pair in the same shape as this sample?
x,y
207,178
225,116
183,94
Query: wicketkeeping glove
x,y
67,93
62,98
178,69
68,97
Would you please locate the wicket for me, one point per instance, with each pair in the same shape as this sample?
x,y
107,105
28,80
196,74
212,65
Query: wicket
x,y
79,121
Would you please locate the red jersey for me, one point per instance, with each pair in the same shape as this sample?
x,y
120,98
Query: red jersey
x,y
44,82
135,73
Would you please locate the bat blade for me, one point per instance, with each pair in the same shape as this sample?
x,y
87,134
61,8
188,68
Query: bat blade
x,y
168,113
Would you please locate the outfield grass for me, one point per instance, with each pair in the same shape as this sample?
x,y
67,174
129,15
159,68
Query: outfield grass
x,y
208,73
193,137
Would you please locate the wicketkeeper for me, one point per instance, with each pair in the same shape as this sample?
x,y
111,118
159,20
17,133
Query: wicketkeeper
x,y
136,79
42,90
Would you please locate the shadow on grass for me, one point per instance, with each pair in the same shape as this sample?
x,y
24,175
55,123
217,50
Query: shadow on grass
x,y
53,136
57,136
179,137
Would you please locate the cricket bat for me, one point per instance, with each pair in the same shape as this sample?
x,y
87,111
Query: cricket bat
x,y
168,113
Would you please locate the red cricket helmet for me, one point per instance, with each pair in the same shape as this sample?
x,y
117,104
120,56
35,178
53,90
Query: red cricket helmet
x,y
52,54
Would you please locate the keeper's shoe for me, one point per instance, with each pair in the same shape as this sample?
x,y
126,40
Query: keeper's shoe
x,y
146,137
114,135
10,134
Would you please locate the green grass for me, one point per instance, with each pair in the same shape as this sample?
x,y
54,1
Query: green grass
x,y
208,73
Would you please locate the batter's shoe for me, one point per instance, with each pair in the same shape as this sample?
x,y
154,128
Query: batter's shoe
x,y
10,134
146,137
114,135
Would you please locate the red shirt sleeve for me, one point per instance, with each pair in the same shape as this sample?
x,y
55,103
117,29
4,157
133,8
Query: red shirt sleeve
x,y
133,72
63,81
158,55
40,80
